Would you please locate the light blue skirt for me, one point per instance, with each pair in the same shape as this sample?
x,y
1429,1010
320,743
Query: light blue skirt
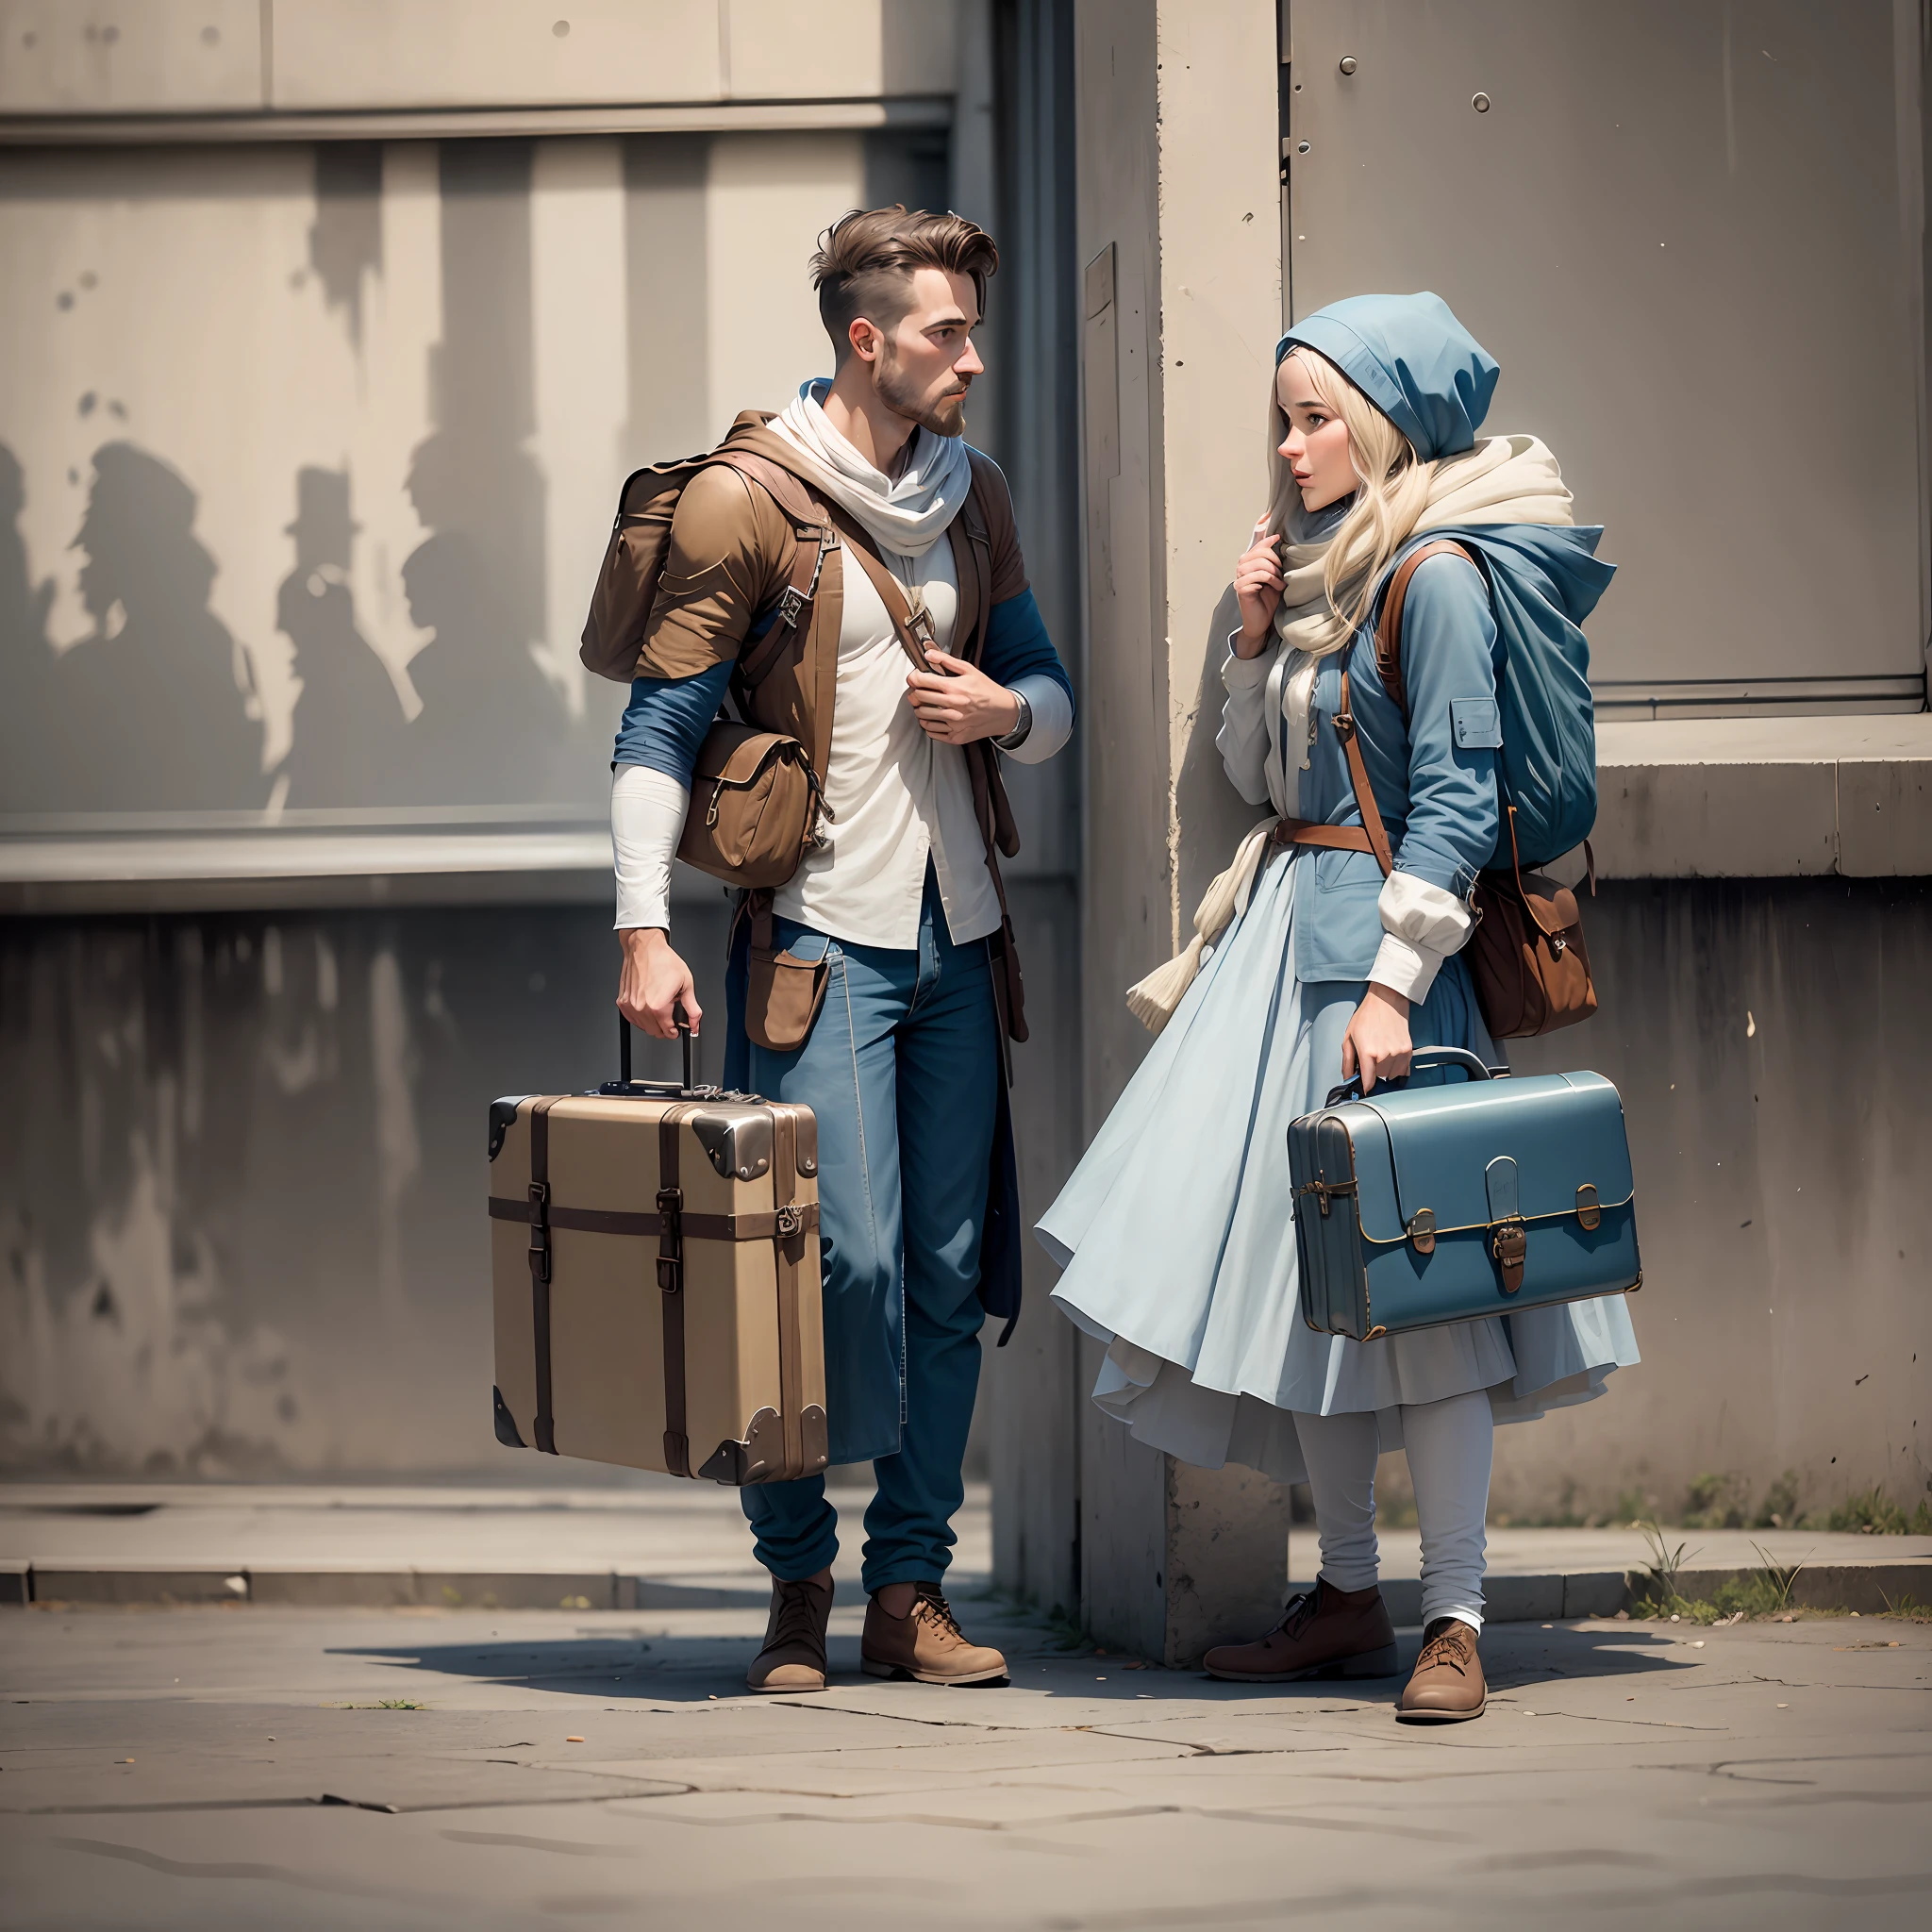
x,y
1176,1231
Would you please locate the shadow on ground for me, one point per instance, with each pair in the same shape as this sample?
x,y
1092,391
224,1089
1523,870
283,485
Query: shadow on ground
x,y
652,1666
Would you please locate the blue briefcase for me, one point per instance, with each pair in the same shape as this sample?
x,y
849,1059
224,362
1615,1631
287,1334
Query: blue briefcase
x,y
1419,1206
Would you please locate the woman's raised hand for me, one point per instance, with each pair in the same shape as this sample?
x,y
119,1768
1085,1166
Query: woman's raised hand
x,y
1258,585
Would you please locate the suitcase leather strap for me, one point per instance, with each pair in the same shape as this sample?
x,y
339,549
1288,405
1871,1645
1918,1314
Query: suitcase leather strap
x,y
671,1291
761,1225
787,1244
539,1212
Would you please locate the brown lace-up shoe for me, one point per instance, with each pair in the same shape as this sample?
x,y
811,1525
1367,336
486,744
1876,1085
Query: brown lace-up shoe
x,y
1324,1632
926,1645
1447,1687
793,1658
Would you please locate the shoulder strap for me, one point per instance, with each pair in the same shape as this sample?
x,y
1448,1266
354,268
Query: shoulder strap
x,y
1359,778
913,629
1388,625
817,539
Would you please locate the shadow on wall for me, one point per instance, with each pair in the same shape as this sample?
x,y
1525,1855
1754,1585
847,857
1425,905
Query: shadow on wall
x,y
352,743
155,710
26,660
1215,816
242,1228
477,581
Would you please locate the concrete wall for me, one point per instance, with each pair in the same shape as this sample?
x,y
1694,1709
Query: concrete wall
x,y
240,1185
1179,317
333,329
1771,1043
1772,1025
290,56
465,285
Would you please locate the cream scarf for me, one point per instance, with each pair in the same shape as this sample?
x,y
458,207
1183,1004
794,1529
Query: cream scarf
x,y
1504,479
906,514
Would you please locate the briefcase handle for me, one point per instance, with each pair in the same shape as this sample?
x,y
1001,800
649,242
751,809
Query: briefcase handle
x,y
1432,1056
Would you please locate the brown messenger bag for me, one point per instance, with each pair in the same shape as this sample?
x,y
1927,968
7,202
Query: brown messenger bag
x,y
1526,955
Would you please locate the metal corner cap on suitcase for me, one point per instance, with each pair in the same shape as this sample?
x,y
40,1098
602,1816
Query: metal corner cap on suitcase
x,y
655,1281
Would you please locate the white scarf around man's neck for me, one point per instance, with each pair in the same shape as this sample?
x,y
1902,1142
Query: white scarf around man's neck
x,y
905,514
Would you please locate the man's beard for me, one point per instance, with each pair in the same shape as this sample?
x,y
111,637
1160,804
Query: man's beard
x,y
945,417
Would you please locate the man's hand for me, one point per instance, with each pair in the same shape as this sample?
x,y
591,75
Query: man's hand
x,y
956,702
1378,1039
654,982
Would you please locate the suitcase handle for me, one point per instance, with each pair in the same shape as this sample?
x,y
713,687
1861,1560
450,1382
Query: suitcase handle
x,y
1434,1055
624,1084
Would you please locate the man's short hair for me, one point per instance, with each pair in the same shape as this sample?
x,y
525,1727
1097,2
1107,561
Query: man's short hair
x,y
866,260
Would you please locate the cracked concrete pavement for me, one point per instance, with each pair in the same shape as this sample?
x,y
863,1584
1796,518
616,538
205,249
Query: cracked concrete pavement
x,y
234,1767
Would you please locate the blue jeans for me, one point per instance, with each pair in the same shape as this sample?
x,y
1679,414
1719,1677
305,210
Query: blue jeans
x,y
901,1069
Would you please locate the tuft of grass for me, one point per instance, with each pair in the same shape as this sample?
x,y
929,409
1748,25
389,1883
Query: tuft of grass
x,y
1776,1579
1873,1513
1717,1500
396,1703
1661,1574
1779,1508
1632,1505
1765,1591
1906,1606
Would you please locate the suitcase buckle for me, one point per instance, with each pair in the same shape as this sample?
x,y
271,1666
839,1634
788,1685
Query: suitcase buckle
x,y
670,1239
790,1221
540,1229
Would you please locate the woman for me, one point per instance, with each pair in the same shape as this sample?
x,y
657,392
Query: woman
x,y
1310,969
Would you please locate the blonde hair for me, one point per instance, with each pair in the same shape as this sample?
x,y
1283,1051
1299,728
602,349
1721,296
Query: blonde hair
x,y
1394,491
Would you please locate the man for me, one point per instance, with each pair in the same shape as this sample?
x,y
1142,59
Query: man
x,y
901,906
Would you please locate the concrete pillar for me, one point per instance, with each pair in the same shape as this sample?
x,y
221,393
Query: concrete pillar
x,y
1179,245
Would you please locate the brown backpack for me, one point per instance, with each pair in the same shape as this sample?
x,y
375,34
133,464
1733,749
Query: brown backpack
x,y
757,795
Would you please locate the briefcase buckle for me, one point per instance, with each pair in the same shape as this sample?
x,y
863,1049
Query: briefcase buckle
x,y
1509,1243
790,1221
1326,1191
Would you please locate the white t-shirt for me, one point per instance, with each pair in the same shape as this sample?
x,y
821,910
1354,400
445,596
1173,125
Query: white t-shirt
x,y
895,794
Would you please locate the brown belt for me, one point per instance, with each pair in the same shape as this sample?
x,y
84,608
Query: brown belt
x,y
1331,838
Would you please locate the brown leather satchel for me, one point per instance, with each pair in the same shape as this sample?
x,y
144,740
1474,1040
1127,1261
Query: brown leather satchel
x,y
1526,954
755,803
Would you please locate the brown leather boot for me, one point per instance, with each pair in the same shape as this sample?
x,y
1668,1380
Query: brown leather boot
x,y
1447,1687
926,1645
1324,1632
793,1658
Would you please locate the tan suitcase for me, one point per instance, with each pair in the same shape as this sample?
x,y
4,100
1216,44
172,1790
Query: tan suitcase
x,y
655,1255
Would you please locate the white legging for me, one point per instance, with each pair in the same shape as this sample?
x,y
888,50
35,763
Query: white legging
x,y
1449,1446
